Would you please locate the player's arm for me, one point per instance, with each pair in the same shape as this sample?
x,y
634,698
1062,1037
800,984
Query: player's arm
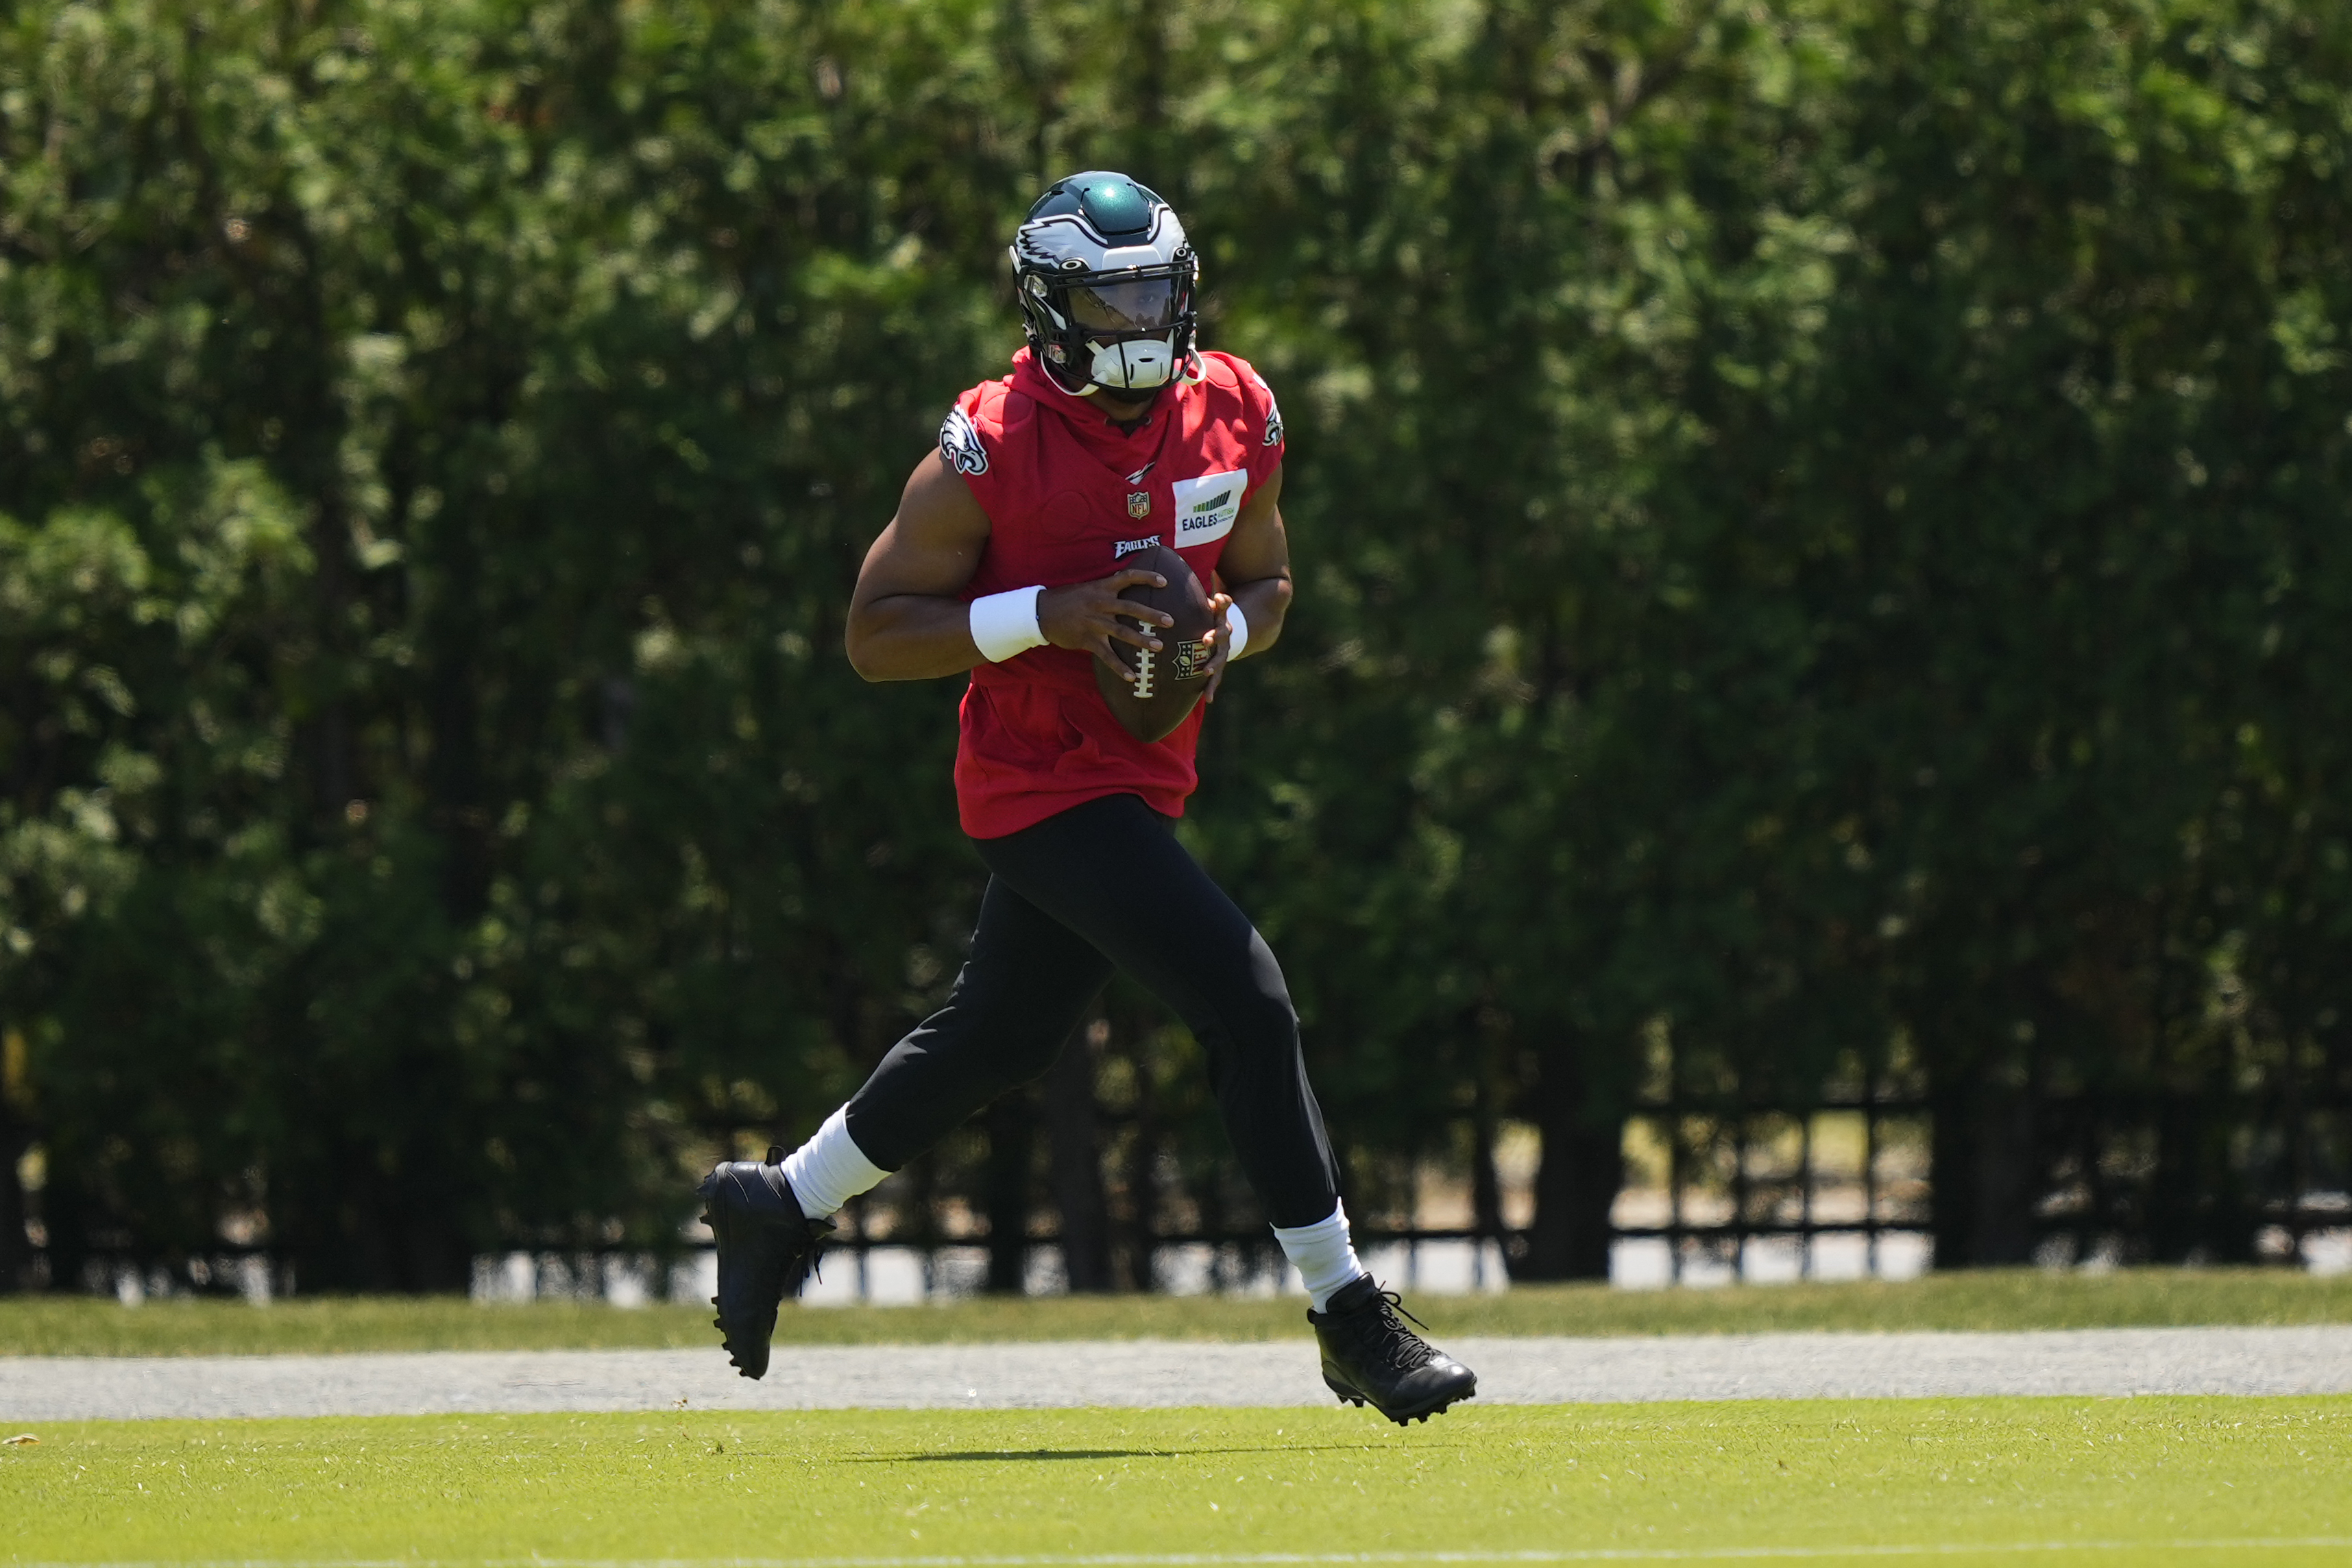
x,y
908,618
1255,571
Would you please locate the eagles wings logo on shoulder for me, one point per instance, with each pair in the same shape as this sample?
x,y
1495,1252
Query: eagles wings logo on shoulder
x,y
960,443
1273,415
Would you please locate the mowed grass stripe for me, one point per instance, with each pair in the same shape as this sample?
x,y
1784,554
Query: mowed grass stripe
x,y
1257,1560
2235,1479
1261,1559
1975,1300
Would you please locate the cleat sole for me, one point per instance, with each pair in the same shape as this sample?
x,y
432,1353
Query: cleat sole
x,y
1403,1418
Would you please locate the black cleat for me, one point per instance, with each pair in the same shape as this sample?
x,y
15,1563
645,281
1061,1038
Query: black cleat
x,y
766,1249
1369,1355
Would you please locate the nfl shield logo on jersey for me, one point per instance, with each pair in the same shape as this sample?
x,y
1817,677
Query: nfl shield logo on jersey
x,y
1138,503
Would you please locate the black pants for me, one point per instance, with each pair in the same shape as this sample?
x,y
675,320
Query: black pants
x,y
1099,886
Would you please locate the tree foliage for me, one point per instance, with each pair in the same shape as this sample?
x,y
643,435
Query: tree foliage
x,y
1820,526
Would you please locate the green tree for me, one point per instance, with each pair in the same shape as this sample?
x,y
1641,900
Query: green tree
x,y
1818,527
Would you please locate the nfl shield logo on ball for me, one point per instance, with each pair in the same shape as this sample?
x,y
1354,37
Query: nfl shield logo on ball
x,y
1138,503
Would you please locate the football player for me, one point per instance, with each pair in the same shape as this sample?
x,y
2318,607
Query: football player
x,y
1114,431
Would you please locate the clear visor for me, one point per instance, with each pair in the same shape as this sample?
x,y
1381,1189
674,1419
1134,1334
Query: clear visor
x,y
1149,306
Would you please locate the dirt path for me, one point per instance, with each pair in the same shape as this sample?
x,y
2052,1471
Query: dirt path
x,y
1158,1373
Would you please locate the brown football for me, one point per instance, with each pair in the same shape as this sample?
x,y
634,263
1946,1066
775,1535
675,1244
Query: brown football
x,y
1170,681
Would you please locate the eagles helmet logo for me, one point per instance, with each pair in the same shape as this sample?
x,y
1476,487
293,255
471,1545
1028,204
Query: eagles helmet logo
x,y
960,443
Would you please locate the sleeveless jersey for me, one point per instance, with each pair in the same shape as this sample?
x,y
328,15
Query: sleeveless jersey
x,y
1068,495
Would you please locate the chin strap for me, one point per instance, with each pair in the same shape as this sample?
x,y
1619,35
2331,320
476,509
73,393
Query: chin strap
x,y
1133,364
1195,371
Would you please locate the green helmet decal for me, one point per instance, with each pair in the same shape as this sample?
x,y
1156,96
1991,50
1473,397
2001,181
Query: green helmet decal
x,y
1116,208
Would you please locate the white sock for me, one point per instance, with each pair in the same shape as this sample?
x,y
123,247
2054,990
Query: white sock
x,y
1321,1253
830,1169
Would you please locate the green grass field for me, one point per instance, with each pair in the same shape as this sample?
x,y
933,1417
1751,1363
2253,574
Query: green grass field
x,y
2173,1480
2019,1299
2239,1481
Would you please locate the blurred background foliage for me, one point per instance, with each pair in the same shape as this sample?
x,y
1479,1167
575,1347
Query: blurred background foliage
x,y
1822,526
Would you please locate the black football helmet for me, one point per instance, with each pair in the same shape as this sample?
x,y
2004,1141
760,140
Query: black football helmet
x,y
1107,281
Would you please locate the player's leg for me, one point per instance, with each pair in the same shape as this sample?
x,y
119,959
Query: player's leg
x,y
1025,988
1113,870
1015,1003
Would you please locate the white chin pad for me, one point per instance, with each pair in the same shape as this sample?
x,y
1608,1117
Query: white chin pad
x,y
1135,364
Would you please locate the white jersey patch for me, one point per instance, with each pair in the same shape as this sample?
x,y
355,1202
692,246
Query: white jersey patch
x,y
1206,506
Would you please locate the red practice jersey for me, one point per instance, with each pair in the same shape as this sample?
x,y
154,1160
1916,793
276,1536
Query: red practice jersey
x,y
1068,495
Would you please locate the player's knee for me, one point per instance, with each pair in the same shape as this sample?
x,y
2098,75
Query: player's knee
x,y
1270,1034
1026,1061
1270,991
1261,1026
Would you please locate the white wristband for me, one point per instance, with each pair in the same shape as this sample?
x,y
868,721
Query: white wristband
x,y
1003,624
1237,627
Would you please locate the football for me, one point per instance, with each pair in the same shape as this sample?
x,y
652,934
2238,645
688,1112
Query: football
x,y
1169,682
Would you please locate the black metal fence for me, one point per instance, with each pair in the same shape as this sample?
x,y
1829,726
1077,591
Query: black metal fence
x,y
1716,1188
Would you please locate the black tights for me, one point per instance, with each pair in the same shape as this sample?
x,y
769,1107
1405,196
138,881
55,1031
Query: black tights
x,y
1099,886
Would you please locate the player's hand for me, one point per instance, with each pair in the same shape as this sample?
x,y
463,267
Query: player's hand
x,y
1090,616
1220,642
